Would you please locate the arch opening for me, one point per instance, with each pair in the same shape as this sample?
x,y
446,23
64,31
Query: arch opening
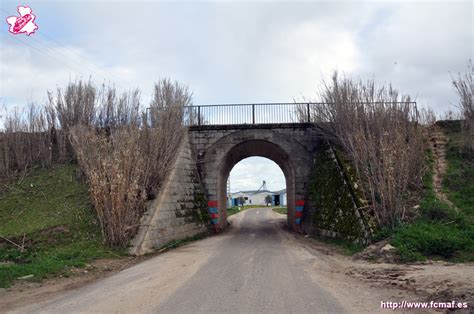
x,y
258,148
256,181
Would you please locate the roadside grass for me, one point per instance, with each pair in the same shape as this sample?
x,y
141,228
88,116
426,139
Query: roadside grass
x,y
48,216
440,232
280,210
174,244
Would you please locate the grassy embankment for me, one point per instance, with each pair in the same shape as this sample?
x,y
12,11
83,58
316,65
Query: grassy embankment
x,y
48,216
441,232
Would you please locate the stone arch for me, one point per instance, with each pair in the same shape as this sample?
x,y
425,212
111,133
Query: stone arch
x,y
260,148
291,156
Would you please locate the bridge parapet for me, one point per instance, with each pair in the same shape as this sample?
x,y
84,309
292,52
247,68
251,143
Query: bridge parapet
x,y
263,113
249,114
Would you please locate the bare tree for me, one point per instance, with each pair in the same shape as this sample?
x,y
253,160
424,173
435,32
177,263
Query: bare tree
x,y
25,141
427,116
268,200
241,201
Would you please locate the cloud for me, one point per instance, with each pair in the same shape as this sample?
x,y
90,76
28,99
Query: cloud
x,y
249,174
255,52
226,52
417,46
236,52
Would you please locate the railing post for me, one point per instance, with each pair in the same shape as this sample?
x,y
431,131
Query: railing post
x,y
253,114
309,115
199,115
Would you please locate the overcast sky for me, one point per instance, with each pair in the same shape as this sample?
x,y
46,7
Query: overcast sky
x,y
237,52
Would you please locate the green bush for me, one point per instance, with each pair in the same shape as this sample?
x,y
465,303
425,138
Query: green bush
x,y
435,210
407,254
432,239
382,234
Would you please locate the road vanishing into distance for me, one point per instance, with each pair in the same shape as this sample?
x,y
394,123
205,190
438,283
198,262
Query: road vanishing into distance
x,y
255,266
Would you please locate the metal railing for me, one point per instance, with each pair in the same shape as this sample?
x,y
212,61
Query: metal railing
x,y
269,113
252,114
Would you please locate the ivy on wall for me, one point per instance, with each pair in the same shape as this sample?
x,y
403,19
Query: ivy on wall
x,y
332,202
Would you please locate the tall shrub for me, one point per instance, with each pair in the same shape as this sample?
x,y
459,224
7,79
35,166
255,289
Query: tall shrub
x,y
464,85
378,130
126,155
124,150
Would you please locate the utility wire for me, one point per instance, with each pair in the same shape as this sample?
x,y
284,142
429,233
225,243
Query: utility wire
x,y
48,55
78,55
57,51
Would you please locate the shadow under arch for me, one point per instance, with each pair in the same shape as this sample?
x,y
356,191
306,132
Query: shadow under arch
x,y
256,148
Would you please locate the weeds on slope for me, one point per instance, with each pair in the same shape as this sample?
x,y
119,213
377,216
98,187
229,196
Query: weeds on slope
x,y
47,225
440,232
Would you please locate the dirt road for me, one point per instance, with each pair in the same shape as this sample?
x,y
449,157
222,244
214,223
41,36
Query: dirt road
x,y
255,266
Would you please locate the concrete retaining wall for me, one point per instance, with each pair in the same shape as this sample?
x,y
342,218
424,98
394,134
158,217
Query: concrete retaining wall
x,y
179,211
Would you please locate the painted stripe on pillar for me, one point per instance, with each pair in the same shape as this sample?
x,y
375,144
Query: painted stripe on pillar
x,y
212,204
214,210
299,211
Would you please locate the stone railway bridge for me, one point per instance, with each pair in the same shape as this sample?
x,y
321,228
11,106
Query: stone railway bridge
x,y
193,200
219,148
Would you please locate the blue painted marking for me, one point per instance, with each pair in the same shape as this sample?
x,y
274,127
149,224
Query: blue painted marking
x,y
299,208
214,221
213,210
298,221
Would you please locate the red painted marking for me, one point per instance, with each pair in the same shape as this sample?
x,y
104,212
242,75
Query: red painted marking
x,y
212,203
300,203
298,214
213,216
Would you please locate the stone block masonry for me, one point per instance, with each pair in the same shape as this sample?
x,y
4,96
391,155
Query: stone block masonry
x,y
180,209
